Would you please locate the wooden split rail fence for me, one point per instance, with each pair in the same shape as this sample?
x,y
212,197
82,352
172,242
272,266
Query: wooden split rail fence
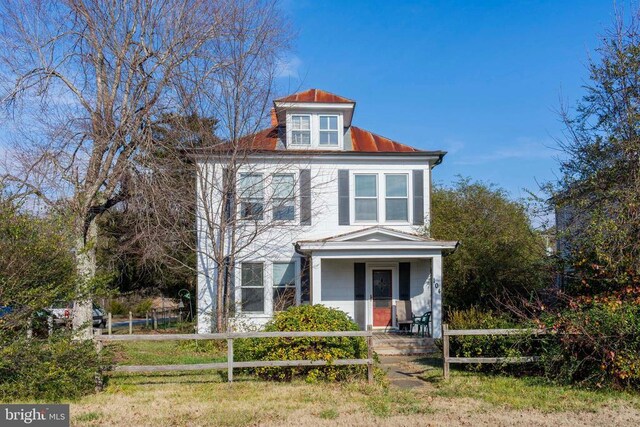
x,y
230,364
447,360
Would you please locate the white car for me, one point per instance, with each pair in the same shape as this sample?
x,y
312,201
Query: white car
x,y
63,312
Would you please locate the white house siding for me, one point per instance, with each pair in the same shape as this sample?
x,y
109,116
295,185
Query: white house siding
x,y
337,285
277,243
420,290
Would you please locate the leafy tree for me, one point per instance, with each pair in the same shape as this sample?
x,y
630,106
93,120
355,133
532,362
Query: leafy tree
x,y
36,267
598,193
499,253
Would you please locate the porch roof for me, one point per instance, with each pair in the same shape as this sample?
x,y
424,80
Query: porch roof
x,y
375,238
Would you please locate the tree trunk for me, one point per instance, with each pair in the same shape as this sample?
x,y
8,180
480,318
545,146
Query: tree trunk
x,y
86,268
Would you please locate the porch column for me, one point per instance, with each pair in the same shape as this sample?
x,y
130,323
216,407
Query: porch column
x,y
436,296
316,278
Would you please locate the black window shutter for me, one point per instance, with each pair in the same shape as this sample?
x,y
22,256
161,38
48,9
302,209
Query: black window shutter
x,y
418,197
404,279
305,197
343,197
227,185
359,293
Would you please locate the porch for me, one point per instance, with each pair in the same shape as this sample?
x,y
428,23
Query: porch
x,y
370,273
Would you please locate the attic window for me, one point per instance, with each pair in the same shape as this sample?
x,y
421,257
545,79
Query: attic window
x,y
301,130
328,130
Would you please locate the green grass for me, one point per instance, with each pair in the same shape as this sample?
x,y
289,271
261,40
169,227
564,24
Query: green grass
x,y
329,414
167,352
521,393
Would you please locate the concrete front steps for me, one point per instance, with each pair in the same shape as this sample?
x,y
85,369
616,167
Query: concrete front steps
x,y
388,344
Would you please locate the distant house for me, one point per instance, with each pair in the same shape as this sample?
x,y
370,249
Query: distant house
x,y
346,209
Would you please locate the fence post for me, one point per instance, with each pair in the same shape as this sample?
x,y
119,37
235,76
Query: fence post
x,y
130,323
155,319
50,325
109,322
230,359
445,351
370,357
99,344
146,319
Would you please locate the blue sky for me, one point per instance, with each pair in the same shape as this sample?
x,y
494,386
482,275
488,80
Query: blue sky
x,y
482,80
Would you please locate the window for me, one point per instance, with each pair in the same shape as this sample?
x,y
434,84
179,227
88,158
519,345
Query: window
x,y
252,287
284,285
328,130
301,130
396,200
366,198
251,196
284,197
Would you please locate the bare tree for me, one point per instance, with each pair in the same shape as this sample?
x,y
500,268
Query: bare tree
x,y
86,80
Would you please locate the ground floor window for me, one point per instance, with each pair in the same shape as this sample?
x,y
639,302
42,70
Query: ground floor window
x,y
284,285
252,287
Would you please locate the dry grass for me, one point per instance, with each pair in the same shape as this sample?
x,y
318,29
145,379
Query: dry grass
x,y
203,399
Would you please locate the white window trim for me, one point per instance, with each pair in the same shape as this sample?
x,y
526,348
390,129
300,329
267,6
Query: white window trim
x,y
384,201
295,196
315,130
290,129
337,130
382,190
265,182
377,197
297,274
265,276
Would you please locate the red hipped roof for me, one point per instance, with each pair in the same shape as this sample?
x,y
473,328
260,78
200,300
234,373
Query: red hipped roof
x,y
361,141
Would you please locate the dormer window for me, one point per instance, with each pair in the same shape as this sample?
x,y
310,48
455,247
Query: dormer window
x,y
328,130
301,129
319,130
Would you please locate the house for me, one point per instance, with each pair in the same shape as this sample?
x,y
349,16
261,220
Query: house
x,y
326,213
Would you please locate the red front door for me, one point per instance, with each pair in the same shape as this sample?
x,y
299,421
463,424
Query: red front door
x,y
381,298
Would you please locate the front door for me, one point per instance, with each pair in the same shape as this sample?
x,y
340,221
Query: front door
x,y
382,298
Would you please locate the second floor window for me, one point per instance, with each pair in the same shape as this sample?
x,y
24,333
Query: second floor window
x,y
328,130
251,196
396,197
366,197
301,129
283,197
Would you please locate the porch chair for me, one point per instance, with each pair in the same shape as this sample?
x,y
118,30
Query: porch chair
x,y
404,316
424,323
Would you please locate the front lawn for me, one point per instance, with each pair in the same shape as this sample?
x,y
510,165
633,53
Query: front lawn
x,y
204,398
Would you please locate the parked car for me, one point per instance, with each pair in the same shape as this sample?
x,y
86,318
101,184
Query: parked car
x,y
63,313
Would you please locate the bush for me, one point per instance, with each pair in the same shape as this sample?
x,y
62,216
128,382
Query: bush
x,y
51,370
143,307
597,344
307,318
117,308
487,345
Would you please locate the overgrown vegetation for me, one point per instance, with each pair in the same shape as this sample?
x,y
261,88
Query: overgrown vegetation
x,y
37,269
49,369
595,343
307,318
500,252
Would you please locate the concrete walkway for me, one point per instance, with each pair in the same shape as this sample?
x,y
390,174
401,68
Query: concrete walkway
x,y
404,371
